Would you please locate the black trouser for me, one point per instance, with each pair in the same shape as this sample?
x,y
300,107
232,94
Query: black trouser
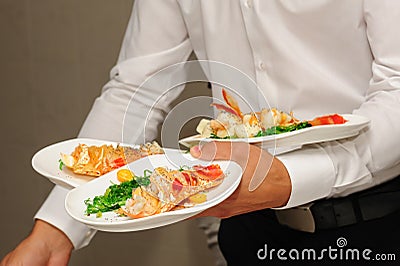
x,y
258,239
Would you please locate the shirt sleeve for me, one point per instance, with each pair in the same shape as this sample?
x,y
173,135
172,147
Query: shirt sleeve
x,y
339,168
155,38
52,211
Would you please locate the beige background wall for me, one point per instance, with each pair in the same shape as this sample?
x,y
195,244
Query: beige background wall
x,y
55,56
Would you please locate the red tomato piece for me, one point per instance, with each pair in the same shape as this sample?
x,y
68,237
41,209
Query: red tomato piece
x,y
328,120
211,172
338,119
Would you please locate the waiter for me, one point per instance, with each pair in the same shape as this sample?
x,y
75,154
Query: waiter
x,y
310,57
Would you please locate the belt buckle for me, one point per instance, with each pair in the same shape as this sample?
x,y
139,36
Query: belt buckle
x,y
299,218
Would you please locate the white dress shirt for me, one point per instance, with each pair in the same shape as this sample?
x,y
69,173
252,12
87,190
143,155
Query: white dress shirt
x,y
311,57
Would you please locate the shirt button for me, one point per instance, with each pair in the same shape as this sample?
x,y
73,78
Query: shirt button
x,y
261,66
249,3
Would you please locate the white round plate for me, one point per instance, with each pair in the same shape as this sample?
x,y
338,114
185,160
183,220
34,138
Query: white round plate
x,y
308,135
111,222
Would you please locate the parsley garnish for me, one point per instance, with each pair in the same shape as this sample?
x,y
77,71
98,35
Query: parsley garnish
x,y
183,167
213,136
113,198
116,195
282,129
61,165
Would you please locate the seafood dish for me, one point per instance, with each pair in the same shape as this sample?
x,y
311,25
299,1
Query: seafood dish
x,y
232,123
157,191
98,160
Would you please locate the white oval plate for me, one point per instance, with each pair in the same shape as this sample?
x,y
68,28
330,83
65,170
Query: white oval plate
x,y
308,135
111,222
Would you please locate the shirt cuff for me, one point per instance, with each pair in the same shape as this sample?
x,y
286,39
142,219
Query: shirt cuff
x,y
312,174
53,212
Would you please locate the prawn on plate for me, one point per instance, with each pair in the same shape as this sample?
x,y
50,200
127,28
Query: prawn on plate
x,y
98,160
168,189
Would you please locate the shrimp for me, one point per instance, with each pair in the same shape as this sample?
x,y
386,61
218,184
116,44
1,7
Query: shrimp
x,y
230,121
273,117
232,106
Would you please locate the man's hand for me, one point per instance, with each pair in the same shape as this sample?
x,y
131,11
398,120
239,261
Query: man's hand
x,y
46,245
274,191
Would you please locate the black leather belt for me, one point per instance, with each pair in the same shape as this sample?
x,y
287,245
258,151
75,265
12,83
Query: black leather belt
x,y
362,206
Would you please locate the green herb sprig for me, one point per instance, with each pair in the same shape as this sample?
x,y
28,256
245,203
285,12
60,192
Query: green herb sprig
x,y
283,129
113,198
272,130
213,136
116,195
61,164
